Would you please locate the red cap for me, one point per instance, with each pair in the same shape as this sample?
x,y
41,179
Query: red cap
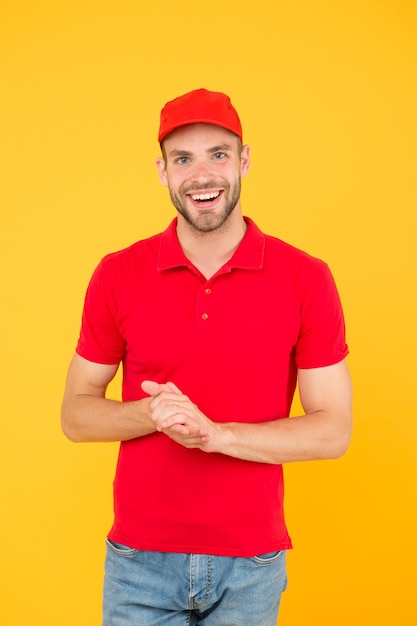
x,y
199,106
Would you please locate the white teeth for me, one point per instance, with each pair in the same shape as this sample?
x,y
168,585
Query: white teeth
x,y
205,196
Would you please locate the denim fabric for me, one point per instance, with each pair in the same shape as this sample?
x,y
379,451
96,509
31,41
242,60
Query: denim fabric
x,y
168,589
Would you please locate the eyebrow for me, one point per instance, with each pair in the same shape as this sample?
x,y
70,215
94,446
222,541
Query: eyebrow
x,y
174,153
224,147
221,148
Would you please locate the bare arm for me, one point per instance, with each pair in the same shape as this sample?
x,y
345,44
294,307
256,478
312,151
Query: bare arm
x,y
87,415
322,433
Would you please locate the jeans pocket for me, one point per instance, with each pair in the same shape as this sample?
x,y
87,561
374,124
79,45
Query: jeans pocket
x,y
269,558
120,549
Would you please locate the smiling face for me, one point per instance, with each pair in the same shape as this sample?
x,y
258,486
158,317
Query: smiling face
x,y
202,168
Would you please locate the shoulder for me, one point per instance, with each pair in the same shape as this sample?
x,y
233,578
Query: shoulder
x,y
296,262
130,258
279,250
285,249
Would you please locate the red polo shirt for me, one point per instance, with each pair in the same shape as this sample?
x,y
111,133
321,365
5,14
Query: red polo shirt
x,y
233,345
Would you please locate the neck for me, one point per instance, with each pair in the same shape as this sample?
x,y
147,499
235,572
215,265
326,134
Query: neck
x,y
209,251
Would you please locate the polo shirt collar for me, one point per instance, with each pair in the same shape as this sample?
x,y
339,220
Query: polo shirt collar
x,y
249,254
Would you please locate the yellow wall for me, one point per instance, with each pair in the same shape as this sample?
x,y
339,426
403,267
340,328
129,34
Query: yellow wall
x,y
327,93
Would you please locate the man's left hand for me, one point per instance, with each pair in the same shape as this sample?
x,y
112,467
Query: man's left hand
x,y
175,415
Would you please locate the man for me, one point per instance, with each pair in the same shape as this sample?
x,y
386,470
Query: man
x,y
214,322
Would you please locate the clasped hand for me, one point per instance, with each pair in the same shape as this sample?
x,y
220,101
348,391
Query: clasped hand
x,y
175,415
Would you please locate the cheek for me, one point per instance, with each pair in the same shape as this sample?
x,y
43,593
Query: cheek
x,y
172,182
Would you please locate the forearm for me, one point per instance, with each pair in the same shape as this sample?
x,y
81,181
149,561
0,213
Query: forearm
x,y
322,433
94,418
304,438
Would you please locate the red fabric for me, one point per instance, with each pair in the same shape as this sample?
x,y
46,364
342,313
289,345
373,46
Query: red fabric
x,y
199,106
233,345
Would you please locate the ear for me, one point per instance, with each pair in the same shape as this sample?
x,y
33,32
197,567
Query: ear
x,y
161,167
245,160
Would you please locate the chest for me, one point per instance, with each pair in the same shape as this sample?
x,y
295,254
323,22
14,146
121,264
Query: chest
x,y
240,315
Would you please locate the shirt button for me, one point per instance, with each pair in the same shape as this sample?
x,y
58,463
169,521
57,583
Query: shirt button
x,y
204,316
208,291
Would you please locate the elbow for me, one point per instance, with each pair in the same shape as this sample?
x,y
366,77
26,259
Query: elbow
x,y
340,435
339,444
69,433
70,429
339,449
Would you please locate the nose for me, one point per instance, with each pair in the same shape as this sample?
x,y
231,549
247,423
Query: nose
x,y
201,171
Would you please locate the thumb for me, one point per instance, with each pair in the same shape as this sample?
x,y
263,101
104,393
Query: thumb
x,y
151,387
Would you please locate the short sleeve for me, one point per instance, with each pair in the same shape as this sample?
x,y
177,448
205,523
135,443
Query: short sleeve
x,y
100,340
322,337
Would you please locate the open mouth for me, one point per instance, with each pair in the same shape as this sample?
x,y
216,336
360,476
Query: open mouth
x,y
206,198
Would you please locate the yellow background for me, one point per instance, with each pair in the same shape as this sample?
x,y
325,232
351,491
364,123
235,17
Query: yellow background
x,y
327,93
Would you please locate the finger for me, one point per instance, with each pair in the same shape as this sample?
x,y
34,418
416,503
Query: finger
x,y
151,387
161,411
188,441
173,387
172,416
166,403
179,430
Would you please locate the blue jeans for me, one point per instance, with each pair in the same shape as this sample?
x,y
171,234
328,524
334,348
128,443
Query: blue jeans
x,y
167,589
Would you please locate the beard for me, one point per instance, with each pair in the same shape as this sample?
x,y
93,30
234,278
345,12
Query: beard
x,y
210,220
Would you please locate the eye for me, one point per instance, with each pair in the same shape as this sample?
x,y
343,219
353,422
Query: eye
x,y
182,160
219,155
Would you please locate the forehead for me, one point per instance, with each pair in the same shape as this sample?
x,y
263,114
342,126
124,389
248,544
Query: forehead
x,y
203,136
